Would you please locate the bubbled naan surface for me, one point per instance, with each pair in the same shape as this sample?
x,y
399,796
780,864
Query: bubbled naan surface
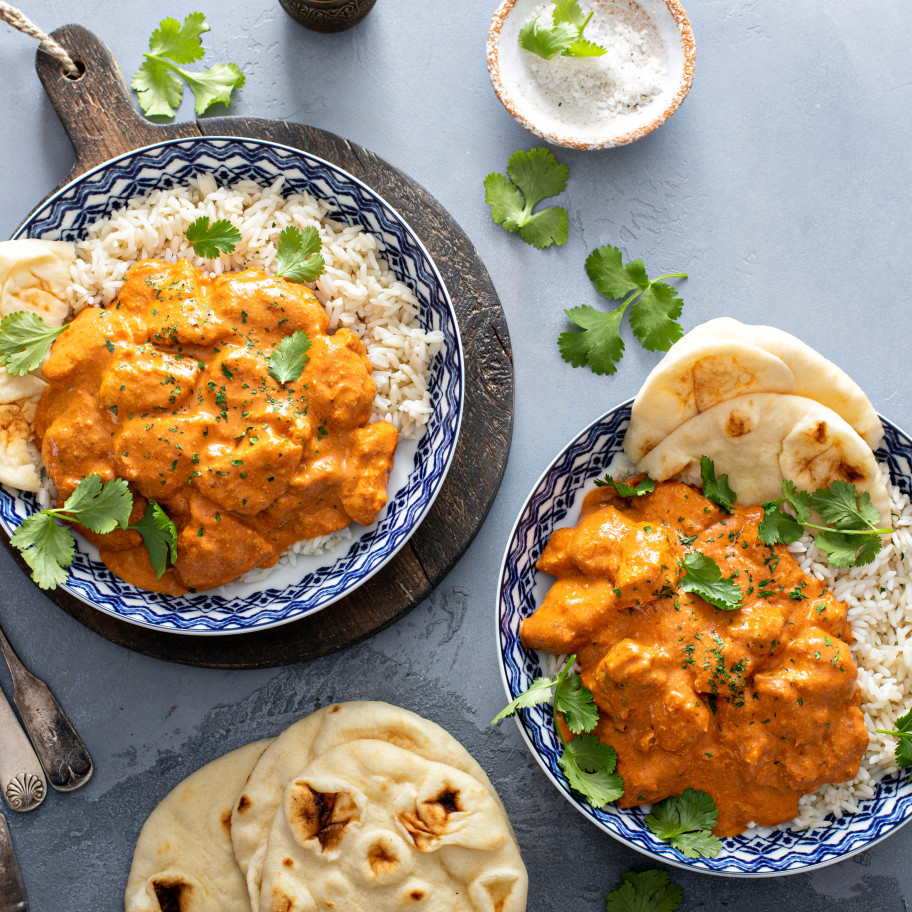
x,y
759,440
723,359
35,276
370,827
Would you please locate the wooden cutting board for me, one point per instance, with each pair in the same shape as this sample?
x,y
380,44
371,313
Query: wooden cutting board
x,y
98,114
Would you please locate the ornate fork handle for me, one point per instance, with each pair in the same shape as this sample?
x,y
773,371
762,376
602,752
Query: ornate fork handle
x,y
21,779
60,749
12,890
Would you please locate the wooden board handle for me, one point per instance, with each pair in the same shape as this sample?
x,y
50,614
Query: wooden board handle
x,y
96,109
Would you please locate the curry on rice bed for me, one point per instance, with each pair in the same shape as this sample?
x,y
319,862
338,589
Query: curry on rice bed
x,y
756,706
169,387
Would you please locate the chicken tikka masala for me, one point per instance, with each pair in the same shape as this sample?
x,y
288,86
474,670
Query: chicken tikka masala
x,y
756,706
169,388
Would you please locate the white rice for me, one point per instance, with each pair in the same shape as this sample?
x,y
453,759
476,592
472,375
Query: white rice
x,y
357,288
879,599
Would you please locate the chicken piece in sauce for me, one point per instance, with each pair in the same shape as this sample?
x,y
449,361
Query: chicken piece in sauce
x,y
756,706
169,388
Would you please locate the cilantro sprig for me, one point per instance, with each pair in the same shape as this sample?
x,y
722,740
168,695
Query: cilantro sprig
x,y
903,732
298,254
851,537
288,360
565,37
24,341
644,891
48,547
716,489
654,308
532,176
703,577
159,535
643,486
210,240
588,764
685,823
158,82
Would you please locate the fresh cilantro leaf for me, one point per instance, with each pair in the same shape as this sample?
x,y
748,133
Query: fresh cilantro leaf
x,y
568,11
643,486
290,357
599,345
564,37
180,42
716,489
213,85
576,704
544,41
644,891
685,822
533,176
778,527
210,240
902,731
704,578
589,765
159,535
654,317
539,691
298,254
46,547
24,341
851,540
99,507
840,549
654,310
158,81
843,506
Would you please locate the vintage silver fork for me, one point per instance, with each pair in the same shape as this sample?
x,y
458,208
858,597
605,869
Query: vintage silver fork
x,y
12,890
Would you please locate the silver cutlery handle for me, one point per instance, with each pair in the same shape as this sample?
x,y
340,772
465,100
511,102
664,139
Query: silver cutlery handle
x,y
60,749
21,779
12,890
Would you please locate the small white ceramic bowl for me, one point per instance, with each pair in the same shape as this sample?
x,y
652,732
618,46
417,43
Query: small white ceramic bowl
x,y
522,95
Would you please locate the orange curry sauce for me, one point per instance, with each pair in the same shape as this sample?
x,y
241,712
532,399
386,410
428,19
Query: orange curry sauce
x,y
757,706
169,388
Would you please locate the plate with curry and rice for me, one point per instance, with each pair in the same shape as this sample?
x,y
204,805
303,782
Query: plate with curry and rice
x,y
770,684
274,471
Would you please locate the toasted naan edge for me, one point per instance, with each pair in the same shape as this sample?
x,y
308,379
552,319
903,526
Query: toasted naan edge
x,y
20,462
184,860
368,825
759,440
722,359
35,277
315,734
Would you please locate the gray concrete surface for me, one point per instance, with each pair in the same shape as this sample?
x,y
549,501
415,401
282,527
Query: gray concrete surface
x,y
781,186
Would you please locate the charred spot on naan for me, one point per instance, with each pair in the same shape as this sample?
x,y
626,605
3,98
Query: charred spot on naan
x,y
320,815
173,895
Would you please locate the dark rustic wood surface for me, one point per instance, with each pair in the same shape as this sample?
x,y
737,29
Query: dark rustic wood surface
x,y
100,119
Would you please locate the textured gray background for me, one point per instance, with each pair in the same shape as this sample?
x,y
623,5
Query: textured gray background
x,y
780,186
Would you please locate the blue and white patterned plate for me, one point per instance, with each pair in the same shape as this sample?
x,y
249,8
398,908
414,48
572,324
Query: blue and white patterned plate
x,y
555,501
290,592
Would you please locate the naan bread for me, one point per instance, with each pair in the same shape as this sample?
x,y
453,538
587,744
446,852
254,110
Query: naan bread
x,y
722,359
760,439
370,827
314,735
34,276
19,459
184,861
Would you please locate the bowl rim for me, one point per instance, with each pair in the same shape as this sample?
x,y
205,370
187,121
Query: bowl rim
x,y
21,231
579,806
566,138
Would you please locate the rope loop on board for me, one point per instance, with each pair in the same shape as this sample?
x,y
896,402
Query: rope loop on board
x,y
18,20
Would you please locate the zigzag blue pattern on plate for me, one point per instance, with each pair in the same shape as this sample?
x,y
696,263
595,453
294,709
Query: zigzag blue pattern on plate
x,y
782,852
99,192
